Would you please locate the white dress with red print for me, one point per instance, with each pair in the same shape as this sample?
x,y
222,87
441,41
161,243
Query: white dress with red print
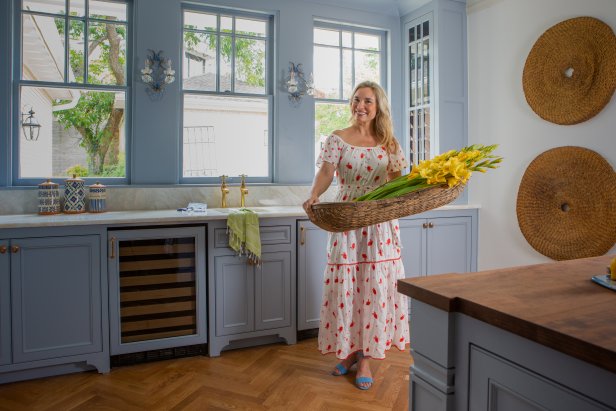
x,y
362,309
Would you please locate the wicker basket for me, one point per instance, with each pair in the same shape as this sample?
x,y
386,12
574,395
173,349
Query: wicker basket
x,y
337,217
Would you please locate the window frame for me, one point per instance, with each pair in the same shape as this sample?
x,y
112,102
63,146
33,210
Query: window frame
x,y
383,61
269,94
18,83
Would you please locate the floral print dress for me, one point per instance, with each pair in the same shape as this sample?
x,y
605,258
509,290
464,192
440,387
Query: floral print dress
x,y
361,307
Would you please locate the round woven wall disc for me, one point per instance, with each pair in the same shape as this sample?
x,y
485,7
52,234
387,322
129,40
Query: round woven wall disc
x,y
570,73
566,204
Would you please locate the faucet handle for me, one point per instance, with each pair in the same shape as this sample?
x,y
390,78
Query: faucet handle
x,y
223,179
243,177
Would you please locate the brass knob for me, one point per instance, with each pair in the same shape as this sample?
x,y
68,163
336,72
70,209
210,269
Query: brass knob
x,y
425,225
2,249
430,225
14,249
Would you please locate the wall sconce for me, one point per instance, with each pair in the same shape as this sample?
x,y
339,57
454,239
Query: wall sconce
x,y
297,86
157,73
29,124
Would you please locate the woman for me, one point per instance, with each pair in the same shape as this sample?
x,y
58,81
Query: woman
x,y
362,314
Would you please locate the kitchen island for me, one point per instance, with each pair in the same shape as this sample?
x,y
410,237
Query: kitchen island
x,y
521,338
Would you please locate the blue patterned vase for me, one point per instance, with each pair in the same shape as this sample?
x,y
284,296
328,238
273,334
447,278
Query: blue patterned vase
x,y
97,197
48,198
74,196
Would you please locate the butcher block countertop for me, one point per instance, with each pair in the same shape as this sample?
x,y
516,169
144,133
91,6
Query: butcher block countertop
x,y
554,304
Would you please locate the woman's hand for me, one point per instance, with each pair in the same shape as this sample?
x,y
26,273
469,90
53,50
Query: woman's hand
x,y
308,204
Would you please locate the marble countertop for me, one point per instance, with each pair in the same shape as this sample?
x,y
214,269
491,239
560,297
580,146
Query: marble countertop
x,y
154,216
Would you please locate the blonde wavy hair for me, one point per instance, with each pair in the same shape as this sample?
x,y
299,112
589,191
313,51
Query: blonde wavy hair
x,y
382,125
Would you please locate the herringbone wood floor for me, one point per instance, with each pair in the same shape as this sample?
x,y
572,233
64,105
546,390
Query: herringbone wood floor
x,y
271,377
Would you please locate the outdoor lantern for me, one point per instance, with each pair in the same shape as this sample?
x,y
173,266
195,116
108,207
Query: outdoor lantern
x,y
30,126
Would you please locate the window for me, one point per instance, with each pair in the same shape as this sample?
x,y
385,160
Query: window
x,y
343,57
227,95
419,80
73,83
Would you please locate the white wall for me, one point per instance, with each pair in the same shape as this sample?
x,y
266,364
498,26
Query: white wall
x,y
501,33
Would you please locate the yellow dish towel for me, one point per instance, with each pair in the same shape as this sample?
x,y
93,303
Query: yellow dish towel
x,y
244,238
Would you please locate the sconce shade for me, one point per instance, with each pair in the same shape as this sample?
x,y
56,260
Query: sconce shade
x,y
296,84
157,73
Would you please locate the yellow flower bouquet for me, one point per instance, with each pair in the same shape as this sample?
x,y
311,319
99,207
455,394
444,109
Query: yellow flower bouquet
x,y
451,168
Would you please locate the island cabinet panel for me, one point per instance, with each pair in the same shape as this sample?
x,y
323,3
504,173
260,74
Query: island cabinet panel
x,y
157,288
5,303
501,385
311,263
56,297
252,304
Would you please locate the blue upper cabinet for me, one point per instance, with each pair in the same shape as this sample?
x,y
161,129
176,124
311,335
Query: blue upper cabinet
x,y
435,77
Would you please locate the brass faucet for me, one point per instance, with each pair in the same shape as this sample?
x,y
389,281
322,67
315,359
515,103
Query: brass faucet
x,y
224,190
243,191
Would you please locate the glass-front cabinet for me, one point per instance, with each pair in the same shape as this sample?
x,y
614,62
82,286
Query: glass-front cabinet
x,y
419,90
157,288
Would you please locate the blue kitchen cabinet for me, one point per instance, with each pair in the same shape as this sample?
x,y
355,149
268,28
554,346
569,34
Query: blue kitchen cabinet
x,y
434,242
5,303
52,302
252,304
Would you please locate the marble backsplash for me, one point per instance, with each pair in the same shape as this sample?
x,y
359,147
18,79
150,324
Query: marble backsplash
x,y
126,198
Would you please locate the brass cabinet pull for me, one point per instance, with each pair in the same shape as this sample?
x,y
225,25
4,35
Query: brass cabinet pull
x,y
3,249
112,247
425,225
14,249
430,225
302,237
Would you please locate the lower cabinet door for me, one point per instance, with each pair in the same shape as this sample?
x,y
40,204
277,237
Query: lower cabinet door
x,y
412,237
449,242
56,297
273,291
311,264
234,295
5,303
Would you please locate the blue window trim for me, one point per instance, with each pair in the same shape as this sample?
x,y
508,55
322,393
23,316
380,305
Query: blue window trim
x,y
270,88
12,169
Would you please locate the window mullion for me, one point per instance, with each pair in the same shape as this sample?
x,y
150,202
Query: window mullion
x,y
86,37
341,55
218,40
233,54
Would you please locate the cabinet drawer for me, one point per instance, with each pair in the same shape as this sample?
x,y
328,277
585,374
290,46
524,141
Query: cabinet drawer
x,y
279,234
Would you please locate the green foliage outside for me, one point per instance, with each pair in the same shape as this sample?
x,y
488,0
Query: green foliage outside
x,y
248,54
330,117
78,171
94,116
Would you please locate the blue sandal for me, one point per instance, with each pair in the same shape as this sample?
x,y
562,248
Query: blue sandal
x,y
363,380
342,370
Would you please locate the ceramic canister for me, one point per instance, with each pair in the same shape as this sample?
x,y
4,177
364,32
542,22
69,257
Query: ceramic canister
x,y
48,198
74,196
97,197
